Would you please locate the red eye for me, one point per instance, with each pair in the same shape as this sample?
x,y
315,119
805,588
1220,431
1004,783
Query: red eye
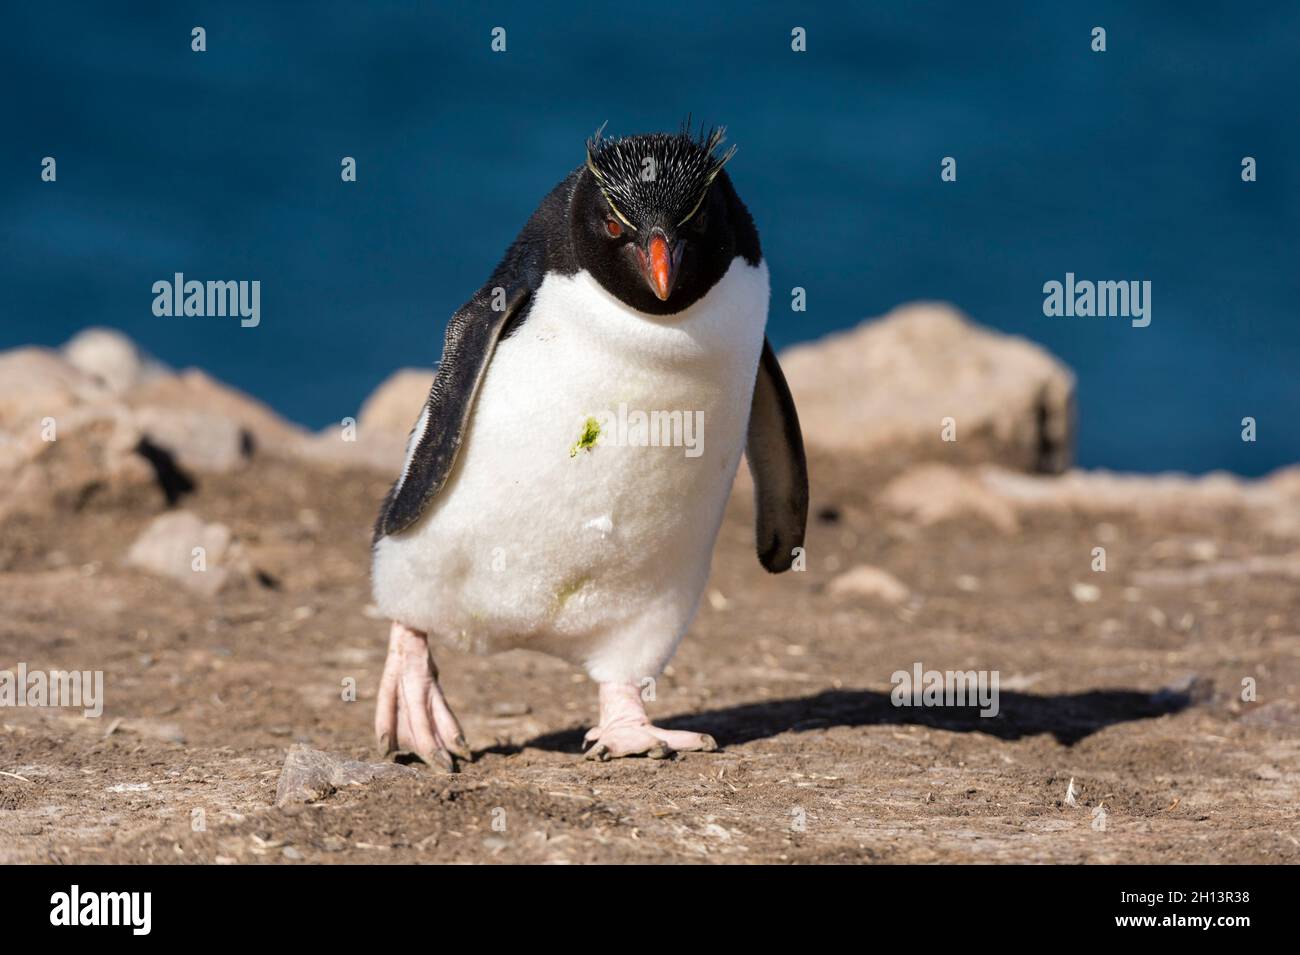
x,y
614,228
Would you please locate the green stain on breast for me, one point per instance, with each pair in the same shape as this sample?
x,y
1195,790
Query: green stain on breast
x,y
566,592
587,440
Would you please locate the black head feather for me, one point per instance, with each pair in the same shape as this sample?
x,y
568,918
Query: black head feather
x,y
657,179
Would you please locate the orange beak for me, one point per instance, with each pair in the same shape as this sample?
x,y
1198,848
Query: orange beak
x,y
660,266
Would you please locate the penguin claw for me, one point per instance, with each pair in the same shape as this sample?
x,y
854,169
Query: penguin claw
x,y
460,749
438,759
621,741
682,741
625,730
411,713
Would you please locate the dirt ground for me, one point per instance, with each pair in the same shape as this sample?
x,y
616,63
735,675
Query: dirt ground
x,y
1128,697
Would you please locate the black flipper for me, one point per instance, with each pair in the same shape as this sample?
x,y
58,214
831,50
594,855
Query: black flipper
x,y
472,336
774,448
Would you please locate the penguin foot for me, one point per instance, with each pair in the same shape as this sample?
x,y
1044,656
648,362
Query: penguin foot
x,y
412,715
625,730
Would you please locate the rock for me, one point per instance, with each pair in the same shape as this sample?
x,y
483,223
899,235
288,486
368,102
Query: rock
x,y
1085,593
395,405
37,383
153,729
166,547
931,493
867,581
102,421
1259,565
310,774
1271,503
194,391
1191,690
1098,492
111,358
93,454
198,441
887,385
378,439
371,448
1275,713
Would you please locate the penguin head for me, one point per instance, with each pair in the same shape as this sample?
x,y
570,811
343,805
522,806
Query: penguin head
x,y
649,217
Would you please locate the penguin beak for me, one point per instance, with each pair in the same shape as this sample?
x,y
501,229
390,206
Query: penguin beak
x,y
659,265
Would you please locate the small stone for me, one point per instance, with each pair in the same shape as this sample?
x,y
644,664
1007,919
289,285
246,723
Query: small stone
x,y
1085,593
310,774
510,708
153,729
128,788
867,581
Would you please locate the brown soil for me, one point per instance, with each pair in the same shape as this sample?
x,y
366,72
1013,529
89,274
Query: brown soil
x,y
1134,696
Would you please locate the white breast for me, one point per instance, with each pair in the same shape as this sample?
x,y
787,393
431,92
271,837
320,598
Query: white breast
x,y
595,551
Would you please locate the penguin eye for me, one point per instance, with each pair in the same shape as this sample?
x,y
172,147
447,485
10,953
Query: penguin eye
x,y
613,227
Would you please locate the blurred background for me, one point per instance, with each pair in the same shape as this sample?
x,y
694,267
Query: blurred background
x,y
1115,166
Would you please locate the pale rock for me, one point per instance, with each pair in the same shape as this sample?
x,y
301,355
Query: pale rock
x,y
38,383
93,455
1085,593
886,386
867,581
378,440
310,774
371,449
197,440
194,391
1280,566
1271,503
166,548
111,358
932,493
395,405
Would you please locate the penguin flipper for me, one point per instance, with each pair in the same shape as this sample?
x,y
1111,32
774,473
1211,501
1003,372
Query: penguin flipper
x,y
774,448
472,336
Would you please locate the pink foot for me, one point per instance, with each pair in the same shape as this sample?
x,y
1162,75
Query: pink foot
x,y
625,730
411,714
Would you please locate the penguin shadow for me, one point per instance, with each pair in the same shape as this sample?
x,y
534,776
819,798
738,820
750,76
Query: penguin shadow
x,y
1068,718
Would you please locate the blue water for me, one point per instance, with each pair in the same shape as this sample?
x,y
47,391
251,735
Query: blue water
x,y
1120,165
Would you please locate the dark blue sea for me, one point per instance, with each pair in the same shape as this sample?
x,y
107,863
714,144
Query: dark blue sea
x,y
1122,165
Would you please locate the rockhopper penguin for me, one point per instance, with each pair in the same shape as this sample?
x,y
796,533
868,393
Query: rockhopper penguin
x,y
566,479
